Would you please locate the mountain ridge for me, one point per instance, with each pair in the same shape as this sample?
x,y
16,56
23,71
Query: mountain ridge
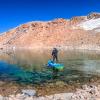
x,y
58,32
89,16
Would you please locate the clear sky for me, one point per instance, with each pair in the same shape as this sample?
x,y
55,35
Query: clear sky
x,y
16,12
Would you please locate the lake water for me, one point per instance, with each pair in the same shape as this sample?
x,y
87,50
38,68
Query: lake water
x,y
29,66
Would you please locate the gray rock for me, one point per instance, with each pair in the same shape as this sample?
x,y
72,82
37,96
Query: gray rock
x,y
84,87
1,97
29,92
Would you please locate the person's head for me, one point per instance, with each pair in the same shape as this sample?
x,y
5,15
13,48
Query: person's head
x,y
54,49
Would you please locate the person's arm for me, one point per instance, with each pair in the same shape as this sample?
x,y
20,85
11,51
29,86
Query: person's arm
x,y
52,53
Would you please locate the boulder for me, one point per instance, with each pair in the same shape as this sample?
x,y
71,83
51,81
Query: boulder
x,y
29,92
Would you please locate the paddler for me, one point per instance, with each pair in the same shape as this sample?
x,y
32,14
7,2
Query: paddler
x,y
55,54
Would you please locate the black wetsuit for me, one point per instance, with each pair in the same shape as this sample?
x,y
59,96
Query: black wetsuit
x,y
55,54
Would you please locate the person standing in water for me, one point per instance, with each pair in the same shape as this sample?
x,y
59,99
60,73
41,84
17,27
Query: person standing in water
x,y
55,58
55,54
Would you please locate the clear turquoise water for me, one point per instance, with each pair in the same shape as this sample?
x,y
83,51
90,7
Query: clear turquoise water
x,y
29,67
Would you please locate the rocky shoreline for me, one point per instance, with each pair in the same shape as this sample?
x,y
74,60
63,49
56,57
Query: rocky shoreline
x,y
56,90
60,47
88,92
51,91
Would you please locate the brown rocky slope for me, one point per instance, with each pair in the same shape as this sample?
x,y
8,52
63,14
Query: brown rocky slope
x,y
59,32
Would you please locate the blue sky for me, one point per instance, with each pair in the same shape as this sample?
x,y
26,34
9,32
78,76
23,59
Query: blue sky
x,y
16,12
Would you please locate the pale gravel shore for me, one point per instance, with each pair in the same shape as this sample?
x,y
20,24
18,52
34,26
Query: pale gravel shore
x,y
61,47
62,96
87,92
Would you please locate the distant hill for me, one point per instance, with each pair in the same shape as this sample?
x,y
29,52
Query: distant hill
x,y
78,32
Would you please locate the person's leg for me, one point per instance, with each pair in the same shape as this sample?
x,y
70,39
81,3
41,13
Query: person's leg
x,y
56,57
53,58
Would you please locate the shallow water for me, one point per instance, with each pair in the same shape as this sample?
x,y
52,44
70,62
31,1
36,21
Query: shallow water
x,y
29,66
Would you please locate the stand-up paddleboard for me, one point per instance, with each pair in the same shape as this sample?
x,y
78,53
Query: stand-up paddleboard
x,y
55,65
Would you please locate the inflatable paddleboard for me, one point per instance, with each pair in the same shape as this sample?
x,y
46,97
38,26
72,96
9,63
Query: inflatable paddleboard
x,y
52,64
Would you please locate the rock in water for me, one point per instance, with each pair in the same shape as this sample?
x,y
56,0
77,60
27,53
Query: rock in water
x,y
29,92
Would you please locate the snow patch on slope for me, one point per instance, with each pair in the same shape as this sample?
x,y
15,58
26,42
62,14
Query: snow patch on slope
x,y
90,24
97,30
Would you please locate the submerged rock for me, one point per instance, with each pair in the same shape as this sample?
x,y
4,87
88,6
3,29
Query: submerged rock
x,y
60,83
